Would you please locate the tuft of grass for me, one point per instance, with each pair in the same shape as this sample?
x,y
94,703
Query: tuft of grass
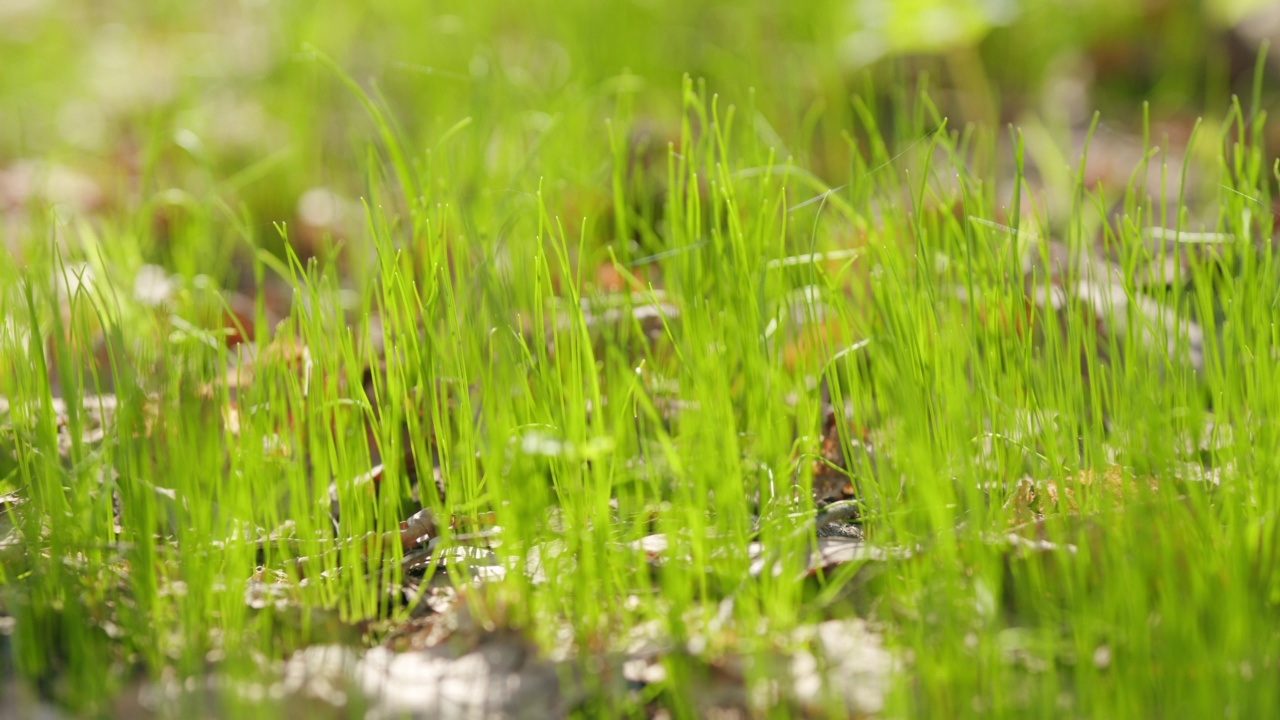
x,y
619,349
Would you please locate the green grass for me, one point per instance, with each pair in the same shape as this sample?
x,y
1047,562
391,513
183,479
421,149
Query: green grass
x,y
1064,473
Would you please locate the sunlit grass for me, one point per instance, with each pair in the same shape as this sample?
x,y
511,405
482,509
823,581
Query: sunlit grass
x,y
569,330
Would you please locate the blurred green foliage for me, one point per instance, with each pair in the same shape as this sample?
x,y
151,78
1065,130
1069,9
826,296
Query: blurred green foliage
x,y
232,87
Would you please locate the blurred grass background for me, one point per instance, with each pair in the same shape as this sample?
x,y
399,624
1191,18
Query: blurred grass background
x,y
107,106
